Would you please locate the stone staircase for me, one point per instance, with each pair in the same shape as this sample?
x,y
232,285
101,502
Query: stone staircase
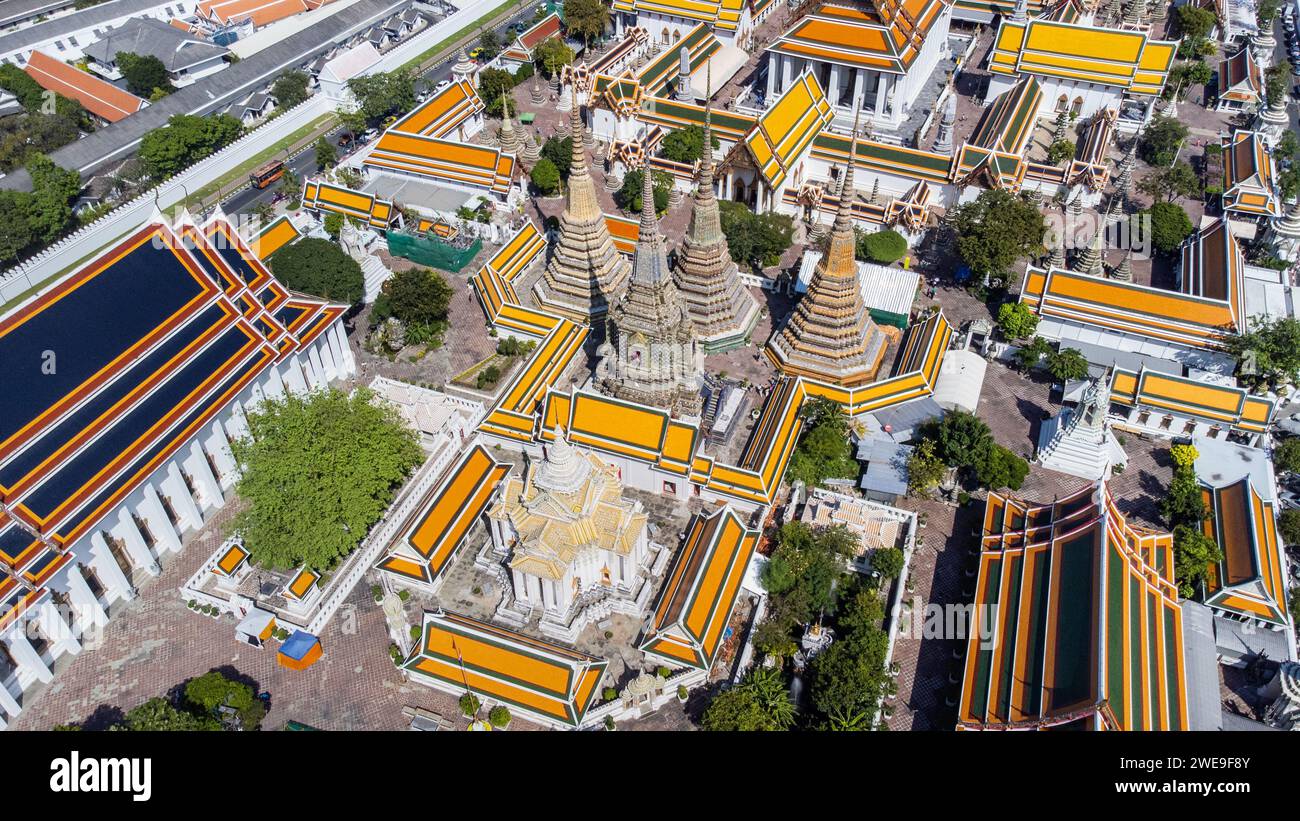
x,y
375,273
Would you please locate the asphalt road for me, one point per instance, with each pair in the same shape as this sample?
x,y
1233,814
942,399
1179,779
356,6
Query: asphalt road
x,y
304,163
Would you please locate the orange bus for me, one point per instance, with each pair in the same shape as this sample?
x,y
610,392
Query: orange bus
x,y
267,174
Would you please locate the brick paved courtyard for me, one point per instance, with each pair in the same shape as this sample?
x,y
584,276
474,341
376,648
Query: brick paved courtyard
x,y
155,643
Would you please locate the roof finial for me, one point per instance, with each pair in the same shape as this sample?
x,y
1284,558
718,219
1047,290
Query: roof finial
x,y
846,192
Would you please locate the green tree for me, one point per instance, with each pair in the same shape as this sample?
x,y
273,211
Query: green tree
x,y
1183,503
16,231
53,192
881,247
317,472
213,690
385,93
290,89
333,224
772,638
629,196
887,561
494,85
1170,225
1286,456
1171,184
560,153
757,240
144,74
319,267
823,451
1028,356
1268,353
352,120
1060,151
924,468
759,702
499,716
545,178
326,155
1016,321
1195,22
1288,525
1194,552
418,296
1067,364
185,140
552,55
959,438
685,145
997,467
1161,140
996,230
159,715
587,19
489,44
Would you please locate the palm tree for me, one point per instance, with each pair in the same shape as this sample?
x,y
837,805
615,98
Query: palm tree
x,y
768,688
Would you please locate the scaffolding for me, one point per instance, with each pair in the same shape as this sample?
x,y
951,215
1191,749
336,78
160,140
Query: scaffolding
x,y
433,252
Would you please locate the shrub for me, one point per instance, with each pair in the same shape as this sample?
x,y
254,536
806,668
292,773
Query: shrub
x,y
883,247
545,177
888,562
609,723
469,704
320,268
663,672
1016,321
499,716
1287,455
1288,524
609,694
416,631
1067,364
682,692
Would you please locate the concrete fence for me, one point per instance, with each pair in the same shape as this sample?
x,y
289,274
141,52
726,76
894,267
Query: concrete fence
x,y
40,270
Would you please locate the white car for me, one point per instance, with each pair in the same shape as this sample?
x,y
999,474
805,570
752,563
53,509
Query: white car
x,y
441,85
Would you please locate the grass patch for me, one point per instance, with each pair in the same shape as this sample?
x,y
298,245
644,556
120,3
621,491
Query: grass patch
x,y
318,126
417,61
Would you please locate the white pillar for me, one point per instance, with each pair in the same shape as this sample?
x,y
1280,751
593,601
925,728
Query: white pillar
x,y
341,341
273,384
182,499
293,375
833,93
107,568
318,377
787,71
859,87
85,601
57,630
26,656
8,704
127,531
160,524
327,359
204,477
882,94
219,447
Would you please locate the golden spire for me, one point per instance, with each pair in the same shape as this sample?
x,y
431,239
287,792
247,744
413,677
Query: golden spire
x,y
840,260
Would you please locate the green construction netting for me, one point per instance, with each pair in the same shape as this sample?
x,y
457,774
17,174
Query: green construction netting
x,y
432,252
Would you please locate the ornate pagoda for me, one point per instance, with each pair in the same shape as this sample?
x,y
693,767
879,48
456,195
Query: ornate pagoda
x,y
723,309
650,354
829,336
585,273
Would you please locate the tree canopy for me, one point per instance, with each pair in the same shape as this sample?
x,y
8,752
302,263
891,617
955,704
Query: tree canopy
x,y
760,702
629,196
1016,321
160,715
997,229
1067,364
1171,184
545,177
379,95
552,55
1161,140
317,472
417,296
823,451
1170,225
185,140
757,240
1269,353
587,19
144,74
686,145
319,267
290,89
560,153
882,247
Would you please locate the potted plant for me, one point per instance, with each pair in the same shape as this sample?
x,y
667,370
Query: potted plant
x,y
499,717
682,693
609,723
469,704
